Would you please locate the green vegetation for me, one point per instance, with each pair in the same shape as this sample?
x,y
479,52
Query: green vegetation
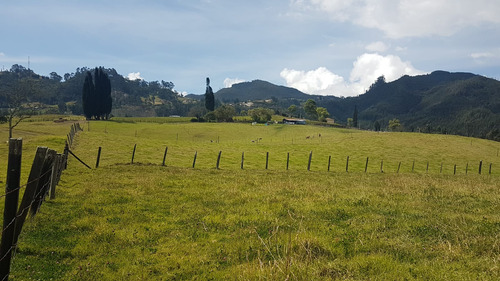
x,y
149,222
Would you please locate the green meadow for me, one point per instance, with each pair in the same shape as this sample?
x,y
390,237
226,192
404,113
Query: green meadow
x,y
146,221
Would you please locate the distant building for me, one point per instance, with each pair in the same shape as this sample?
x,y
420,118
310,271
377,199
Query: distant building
x,y
330,121
292,121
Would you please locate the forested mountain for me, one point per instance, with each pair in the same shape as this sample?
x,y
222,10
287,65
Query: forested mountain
x,y
440,102
258,90
130,97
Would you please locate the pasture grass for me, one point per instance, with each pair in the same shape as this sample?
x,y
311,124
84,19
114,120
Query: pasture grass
x,y
144,221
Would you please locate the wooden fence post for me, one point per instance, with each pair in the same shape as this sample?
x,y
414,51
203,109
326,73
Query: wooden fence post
x,y
133,154
165,156
66,152
98,157
455,169
413,166
29,192
347,165
10,209
194,159
480,166
399,166
329,161
53,176
427,169
441,169
218,159
242,159
287,160
366,165
490,169
467,168
267,160
309,162
382,166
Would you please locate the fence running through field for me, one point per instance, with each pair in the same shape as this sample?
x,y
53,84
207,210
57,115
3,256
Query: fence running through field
x,y
44,176
468,168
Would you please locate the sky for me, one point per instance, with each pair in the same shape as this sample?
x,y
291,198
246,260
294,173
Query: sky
x,y
321,47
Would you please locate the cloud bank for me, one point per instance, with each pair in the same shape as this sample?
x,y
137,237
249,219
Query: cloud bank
x,y
408,18
366,69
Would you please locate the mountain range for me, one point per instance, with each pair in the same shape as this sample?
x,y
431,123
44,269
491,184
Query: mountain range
x,y
439,102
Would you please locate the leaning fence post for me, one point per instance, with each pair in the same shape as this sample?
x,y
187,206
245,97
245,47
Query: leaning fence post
x,y
242,159
218,159
399,166
490,169
98,157
427,169
467,168
10,209
267,160
480,166
53,177
194,159
29,191
455,169
165,156
309,163
366,165
133,154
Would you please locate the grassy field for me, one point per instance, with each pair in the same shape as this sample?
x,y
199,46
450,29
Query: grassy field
x,y
143,221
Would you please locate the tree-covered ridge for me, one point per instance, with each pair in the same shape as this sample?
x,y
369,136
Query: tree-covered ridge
x,y
129,97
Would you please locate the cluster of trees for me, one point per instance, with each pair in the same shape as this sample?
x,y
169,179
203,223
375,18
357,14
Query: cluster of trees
x,y
314,112
96,95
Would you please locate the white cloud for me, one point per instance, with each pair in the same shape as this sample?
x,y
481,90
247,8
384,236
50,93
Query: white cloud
x,y
366,69
134,76
377,47
408,18
316,82
228,82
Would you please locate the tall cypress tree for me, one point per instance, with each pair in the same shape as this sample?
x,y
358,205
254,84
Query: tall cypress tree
x,y
96,95
209,97
87,96
355,117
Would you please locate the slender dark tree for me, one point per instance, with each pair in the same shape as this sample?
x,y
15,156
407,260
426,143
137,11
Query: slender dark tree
x,y
209,97
87,96
96,95
355,117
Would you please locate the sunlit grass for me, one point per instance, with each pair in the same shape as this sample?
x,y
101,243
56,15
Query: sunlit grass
x,y
144,221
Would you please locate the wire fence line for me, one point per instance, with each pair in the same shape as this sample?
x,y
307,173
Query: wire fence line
x,y
347,164
44,176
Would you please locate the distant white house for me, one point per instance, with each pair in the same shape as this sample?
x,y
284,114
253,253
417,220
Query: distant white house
x,y
292,121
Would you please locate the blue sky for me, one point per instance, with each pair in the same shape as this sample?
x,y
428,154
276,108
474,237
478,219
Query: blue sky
x,y
327,47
